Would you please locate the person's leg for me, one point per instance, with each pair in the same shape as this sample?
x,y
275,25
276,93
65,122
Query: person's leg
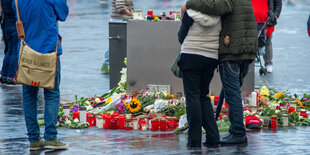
x,y
230,76
269,52
6,60
52,100
191,82
30,98
105,68
208,120
14,55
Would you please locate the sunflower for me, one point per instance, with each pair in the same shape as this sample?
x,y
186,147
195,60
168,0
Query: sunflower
x,y
134,106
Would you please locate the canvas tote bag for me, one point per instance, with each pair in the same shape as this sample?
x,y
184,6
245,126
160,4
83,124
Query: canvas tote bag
x,y
34,69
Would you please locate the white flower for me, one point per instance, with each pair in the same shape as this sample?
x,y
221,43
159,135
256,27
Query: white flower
x,y
76,120
97,100
301,117
87,102
68,122
277,111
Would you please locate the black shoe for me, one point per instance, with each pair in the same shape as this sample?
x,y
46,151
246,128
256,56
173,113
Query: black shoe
x,y
234,140
11,81
211,145
193,146
3,80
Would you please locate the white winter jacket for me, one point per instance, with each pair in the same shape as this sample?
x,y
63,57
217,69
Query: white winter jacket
x,y
203,36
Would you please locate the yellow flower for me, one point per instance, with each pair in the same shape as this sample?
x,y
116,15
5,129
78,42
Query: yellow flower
x,y
109,100
299,102
278,95
264,91
134,106
169,95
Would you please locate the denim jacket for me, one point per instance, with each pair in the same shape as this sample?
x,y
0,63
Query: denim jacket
x,y
40,18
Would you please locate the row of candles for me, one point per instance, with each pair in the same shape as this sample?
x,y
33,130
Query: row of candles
x,y
127,122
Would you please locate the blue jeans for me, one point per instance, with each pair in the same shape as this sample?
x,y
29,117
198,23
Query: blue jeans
x,y
52,100
10,61
232,75
197,73
106,61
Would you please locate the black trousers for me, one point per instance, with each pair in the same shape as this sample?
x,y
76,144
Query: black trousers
x,y
197,74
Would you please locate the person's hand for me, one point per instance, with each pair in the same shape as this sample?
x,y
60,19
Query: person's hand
x,y
127,12
183,9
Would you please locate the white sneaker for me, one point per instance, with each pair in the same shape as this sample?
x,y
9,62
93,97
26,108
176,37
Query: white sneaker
x,y
269,68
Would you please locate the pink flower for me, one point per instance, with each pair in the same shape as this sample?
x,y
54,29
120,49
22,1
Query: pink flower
x,y
64,117
281,104
287,105
278,107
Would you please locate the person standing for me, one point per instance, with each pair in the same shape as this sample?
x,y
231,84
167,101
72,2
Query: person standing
x,y
199,58
41,34
10,61
120,10
237,49
275,7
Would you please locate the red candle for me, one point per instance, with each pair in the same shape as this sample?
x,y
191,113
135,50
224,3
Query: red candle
x,y
150,12
274,121
115,114
170,124
141,122
303,113
121,122
216,100
113,123
91,119
76,114
155,125
128,124
107,121
163,125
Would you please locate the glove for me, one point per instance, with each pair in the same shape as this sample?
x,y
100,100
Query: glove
x,y
272,19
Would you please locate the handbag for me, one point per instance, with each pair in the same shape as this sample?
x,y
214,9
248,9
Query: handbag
x,y
34,68
175,68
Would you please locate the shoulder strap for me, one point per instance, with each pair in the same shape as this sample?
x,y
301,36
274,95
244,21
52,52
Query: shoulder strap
x,y
19,24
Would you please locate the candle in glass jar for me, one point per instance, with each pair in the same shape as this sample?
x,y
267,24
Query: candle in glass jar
x,y
163,125
128,124
135,125
83,114
303,113
66,110
76,115
107,121
99,121
285,120
121,121
142,121
274,121
154,124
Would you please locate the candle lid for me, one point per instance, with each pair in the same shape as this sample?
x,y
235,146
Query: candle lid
x,y
285,115
303,110
66,107
83,108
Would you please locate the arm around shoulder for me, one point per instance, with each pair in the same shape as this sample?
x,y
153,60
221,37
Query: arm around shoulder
x,y
211,7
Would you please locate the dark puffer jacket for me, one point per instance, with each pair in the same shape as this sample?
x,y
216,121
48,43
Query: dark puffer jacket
x,y
238,38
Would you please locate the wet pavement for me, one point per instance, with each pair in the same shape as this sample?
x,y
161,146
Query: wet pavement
x,y
85,40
